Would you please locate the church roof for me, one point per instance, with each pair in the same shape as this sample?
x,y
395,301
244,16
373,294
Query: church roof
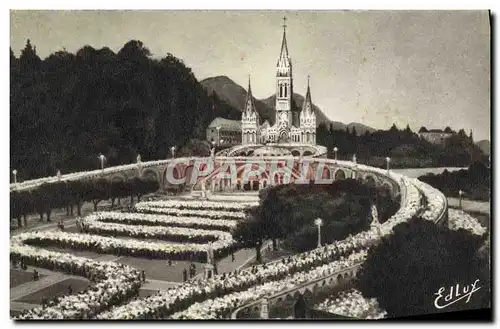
x,y
225,124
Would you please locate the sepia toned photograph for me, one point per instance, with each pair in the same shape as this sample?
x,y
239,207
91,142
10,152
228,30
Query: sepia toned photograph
x,y
240,165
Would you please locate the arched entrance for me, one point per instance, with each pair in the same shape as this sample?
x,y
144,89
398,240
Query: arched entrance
x,y
339,174
283,136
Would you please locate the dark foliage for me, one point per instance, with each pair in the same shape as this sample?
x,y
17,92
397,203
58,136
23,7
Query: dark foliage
x,y
474,182
48,197
68,108
288,212
406,270
405,148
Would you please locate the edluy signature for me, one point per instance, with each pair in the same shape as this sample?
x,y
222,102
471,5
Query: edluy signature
x,y
454,295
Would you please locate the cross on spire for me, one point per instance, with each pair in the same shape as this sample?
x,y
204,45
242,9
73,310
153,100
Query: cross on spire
x,y
284,22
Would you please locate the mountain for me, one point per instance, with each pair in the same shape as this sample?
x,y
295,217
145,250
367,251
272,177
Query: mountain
x,y
485,146
235,96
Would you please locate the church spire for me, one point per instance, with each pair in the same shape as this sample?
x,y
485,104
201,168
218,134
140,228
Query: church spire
x,y
284,47
249,105
249,86
308,101
284,62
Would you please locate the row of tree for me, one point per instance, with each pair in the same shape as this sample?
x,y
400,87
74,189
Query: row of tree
x,y
68,195
406,148
68,108
288,212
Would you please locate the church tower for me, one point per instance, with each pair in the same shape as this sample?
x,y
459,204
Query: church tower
x,y
308,119
249,120
284,89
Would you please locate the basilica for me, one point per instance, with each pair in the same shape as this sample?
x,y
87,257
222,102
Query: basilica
x,y
292,125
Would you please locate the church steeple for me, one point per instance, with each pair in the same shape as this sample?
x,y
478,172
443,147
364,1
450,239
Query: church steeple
x,y
250,119
284,61
249,104
307,101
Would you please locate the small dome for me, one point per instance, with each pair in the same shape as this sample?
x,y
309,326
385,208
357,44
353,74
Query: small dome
x,y
271,151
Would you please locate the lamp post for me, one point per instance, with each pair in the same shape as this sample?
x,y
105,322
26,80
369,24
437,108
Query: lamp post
x,y
172,150
460,193
335,150
318,222
102,158
218,134
14,172
388,160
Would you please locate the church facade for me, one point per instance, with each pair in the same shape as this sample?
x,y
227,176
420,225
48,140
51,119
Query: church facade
x,y
292,125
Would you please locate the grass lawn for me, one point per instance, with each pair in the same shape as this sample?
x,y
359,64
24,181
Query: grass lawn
x,y
55,290
14,313
143,293
18,277
83,253
158,269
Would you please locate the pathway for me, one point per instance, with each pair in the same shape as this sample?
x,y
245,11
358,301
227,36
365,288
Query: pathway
x,y
20,306
471,205
33,286
158,284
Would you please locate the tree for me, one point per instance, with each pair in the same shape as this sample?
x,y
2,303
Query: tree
x,y
353,132
194,147
394,128
288,212
406,270
422,130
99,190
78,192
249,233
43,200
96,101
448,130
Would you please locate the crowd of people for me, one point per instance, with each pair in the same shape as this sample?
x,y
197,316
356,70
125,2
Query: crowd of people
x,y
459,219
112,283
351,303
133,218
195,298
200,205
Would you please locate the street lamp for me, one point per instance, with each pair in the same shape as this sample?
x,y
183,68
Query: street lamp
x,y
335,149
460,193
218,133
388,160
102,158
15,175
172,150
318,222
